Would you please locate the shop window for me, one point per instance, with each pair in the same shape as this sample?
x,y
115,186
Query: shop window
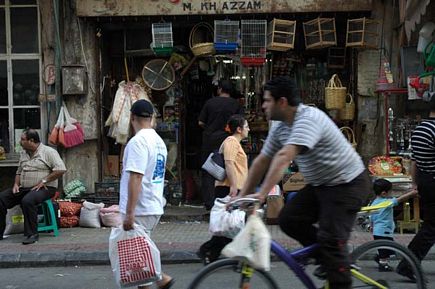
x,y
25,76
2,31
3,83
20,63
4,129
24,25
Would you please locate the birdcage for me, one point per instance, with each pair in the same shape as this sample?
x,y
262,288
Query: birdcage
x,y
363,33
281,35
253,47
162,38
336,57
320,33
226,35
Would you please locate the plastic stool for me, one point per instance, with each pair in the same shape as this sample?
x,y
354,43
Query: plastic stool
x,y
48,223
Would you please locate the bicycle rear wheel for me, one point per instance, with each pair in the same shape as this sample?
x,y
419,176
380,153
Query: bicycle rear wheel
x,y
366,267
227,273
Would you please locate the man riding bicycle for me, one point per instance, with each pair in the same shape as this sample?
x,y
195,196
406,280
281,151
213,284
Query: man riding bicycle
x,y
337,182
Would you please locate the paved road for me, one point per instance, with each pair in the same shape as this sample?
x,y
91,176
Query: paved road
x,y
99,277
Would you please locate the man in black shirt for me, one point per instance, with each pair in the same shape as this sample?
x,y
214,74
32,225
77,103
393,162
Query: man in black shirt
x,y
213,119
423,178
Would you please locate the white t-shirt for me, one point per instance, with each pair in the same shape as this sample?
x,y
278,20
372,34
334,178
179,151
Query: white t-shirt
x,y
145,154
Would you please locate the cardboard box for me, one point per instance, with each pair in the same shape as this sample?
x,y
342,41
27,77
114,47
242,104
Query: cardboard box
x,y
294,183
111,167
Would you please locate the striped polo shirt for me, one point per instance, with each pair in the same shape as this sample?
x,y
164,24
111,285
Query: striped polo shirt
x,y
423,146
328,159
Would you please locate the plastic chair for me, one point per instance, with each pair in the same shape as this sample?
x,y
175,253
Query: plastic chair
x,y
48,223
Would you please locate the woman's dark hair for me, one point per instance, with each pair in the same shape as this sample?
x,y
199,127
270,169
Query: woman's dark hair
x,y
381,185
234,122
283,86
31,133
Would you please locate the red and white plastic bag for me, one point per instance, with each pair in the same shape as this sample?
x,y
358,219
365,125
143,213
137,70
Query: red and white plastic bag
x,y
134,257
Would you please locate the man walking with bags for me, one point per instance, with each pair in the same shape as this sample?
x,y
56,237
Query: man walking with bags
x,y
143,175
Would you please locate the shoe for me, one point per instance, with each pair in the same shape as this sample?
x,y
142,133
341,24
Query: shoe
x,y
385,268
404,270
320,272
31,239
204,257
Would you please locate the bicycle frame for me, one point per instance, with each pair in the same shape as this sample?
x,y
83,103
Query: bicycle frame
x,y
289,258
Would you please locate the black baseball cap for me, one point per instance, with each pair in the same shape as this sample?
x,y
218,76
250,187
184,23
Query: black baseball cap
x,y
142,108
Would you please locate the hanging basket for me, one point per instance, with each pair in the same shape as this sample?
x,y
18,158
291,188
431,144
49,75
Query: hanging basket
x,y
201,40
335,94
348,112
350,135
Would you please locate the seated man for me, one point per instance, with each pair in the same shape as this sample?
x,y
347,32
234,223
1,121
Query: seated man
x,y
36,181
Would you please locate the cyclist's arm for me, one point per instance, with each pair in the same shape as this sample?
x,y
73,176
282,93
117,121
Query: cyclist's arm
x,y
280,162
256,172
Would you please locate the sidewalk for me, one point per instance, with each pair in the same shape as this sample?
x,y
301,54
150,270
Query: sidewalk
x,y
177,240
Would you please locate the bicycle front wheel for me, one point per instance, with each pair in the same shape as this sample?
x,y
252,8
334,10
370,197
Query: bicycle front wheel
x,y
371,271
232,274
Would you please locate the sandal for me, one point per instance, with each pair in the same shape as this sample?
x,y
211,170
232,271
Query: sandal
x,y
168,285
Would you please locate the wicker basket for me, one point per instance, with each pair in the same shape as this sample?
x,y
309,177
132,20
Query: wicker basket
x,y
335,94
201,40
348,112
350,135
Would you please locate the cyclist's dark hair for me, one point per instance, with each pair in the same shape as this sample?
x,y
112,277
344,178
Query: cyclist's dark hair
x,y
381,185
226,86
234,122
283,86
32,134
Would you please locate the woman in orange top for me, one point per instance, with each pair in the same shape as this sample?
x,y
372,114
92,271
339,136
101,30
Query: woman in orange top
x,y
236,168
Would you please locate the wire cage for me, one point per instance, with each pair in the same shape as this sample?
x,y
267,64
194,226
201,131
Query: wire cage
x,y
281,35
336,57
253,47
362,33
226,35
320,33
162,38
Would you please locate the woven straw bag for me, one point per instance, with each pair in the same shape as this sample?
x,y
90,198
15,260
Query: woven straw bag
x,y
350,135
348,111
199,40
335,93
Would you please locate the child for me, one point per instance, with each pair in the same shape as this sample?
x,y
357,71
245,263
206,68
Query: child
x,y
382,221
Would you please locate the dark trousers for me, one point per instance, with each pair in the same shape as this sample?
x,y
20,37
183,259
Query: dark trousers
x,y
383,253
334,208
207,183
213,247
29,201
425,238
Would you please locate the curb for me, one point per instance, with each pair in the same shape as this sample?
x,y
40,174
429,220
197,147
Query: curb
x,y
62,259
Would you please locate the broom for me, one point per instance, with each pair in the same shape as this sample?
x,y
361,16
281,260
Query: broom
x,y
73,132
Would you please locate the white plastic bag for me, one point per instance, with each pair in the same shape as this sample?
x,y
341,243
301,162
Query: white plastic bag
x,y
90,215
134,257
251,244
223,222
14,221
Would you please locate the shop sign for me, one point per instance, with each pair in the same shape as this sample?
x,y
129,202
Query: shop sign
x,y
94,8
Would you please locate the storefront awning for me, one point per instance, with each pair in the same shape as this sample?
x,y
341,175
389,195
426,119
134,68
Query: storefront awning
x,y
99,8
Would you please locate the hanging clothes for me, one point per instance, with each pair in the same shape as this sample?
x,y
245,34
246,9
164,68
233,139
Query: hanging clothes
x,y
119,118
